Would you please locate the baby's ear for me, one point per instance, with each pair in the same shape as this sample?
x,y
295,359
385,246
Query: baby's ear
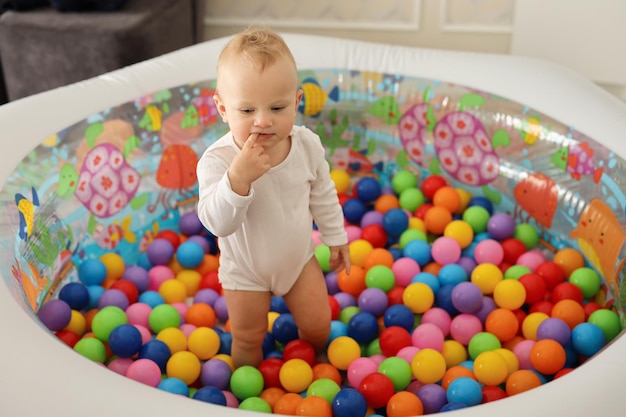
x,y
221,109
299,95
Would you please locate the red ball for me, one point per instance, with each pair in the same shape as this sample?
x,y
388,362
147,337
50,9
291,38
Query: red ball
x,y
394,296
68,337
377,389
299,349
270,369
513,248
420,212
127,287
335,308
567,291
551,273
374,234
590,307
394,338
520,315
343,197
210,280
543,306
431,184
535,287
493,393
169,235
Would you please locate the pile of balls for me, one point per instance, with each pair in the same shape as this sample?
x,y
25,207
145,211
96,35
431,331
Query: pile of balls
x,y
448,305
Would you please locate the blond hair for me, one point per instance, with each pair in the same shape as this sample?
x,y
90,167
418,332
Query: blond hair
x,y
260,46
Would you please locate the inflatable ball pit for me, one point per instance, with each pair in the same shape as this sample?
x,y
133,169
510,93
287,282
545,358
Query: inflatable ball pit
x,y
551,139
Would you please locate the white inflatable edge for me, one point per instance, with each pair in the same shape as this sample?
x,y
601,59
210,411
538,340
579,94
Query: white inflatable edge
x,y
42,376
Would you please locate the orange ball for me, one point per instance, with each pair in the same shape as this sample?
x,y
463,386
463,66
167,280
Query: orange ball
x,y
200,315
327,371
378,256
287,404
272,395
433,268
353,284
547,356
209,263
570,311
404,404
386,202
521,381
502,323
569,259
314,406
436,219
455,372
447,197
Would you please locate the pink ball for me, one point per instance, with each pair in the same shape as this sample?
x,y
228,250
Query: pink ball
x,y
146,335
445,250
464,326
187,328
407,353
144,371
404,269
531,259
316,237
439,317
181,308
159,274
522,351
354,233
488,251
359,369
231,400
138,314
427,335
378,358
120,365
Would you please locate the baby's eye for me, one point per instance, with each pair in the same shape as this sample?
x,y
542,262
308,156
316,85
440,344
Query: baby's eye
x,y
278,108
247,111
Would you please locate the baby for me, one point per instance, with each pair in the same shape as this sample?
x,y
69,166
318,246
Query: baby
x,y
261,187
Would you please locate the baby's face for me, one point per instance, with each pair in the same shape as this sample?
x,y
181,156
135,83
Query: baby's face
x,y
254,102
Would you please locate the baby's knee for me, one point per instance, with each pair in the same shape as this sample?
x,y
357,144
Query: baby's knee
x,y
250,338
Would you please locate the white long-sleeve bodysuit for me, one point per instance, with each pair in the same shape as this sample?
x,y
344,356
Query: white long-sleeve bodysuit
x,y
265,238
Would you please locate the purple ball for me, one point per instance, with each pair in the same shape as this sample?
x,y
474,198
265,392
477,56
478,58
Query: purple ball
x,y
501,226
555,329
220,309
332,282
488,306
207,296
467,263
373,300
189,224
433,397
55,314
215,373
160,251
372,217
200,240
138,276
345,300
113,297
467,297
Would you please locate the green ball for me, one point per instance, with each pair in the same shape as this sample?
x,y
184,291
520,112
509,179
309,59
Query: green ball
x,y
91,348
107,319
587,280
257,404
397,370
608,321
527,234
246,381
477,217
403,180
162,317
482,342
410,235
373,348
411,198
380,276
516,271
347,313
322,253
325,388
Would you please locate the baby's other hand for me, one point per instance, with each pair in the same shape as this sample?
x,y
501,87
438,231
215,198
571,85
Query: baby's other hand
x,y
248,166
340,258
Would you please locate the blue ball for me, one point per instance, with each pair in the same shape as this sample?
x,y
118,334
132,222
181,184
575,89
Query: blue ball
x,y
226,342
152,298
95,292
443,299
144,262
75,294
157,351
395,221
363,327
284,328
92,272
588,339
278,305
396,252
337,328
428,279
452,407
349,403
482,202
211,395
174,386
452,274
353,210
125,340
399,315
368,189
419,251
189,254
464,390
269,343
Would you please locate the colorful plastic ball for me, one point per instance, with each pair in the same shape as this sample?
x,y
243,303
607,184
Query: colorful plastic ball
x,y
490,368
493,393
460,231
295,375
547,356
464,327
313,406
433,397
156,351
587,339
368,189
418,297
163,316
373,300
436,218
377,389
464,390
587,280
125,340
342,351
443,299
467,297
570,311
404,404
452,274
489,251
399,315
92,272
270,369
363,327
419,251
160,251
341,179
527,234
75,294
284,329
189,254
256,404
246,381
144,371
210,394
510,294
92,349
394,338
354,209
174,386
55,314
375,234
608,321
189,224
403,180
349,402
482,342
360,249
427,335
568,260
486,276
521,381
554,329
531,259
204,342
502,323
535,287
395,221
299,349
324,388
381,277
501,226
445,250
359,368
477,217
128,288
113,297
107,319
483,202
428,366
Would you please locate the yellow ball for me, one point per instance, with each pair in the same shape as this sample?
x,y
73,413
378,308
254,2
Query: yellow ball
x,y
418,297
271,317
417,223
466,197
173,291
512,363
342,351
191,279
226,359
454,353
509,294
359,249
531,324
428,366
114,264
174,338
203,342
295,375
490,368
77,324
341,179
461,231
486,276
185,366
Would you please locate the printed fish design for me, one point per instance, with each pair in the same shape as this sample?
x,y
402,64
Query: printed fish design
x,y
537,195
577,160
314,97
152,119
207,112
108,237
387,109
26,209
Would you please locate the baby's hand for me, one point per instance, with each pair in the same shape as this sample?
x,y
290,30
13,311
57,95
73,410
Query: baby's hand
x,y
340,258
248,165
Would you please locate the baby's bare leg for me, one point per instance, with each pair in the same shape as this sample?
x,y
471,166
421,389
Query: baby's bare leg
x,y
308,303
247,312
